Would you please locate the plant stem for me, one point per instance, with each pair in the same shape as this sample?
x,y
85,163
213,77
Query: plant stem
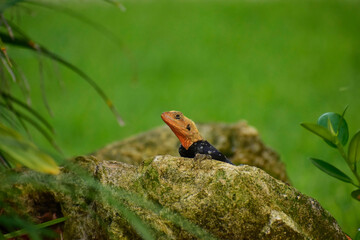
x,y
352,168
343,154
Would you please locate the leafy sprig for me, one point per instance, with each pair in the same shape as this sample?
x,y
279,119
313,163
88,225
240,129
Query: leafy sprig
x,y
333,129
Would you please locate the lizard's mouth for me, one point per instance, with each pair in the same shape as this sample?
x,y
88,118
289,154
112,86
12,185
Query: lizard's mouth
x,y
173,126
163,117
167,119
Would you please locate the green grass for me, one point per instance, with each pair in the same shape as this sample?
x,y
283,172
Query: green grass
x,y
273,63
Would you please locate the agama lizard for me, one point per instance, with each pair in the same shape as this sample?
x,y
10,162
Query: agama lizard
x,y
191,141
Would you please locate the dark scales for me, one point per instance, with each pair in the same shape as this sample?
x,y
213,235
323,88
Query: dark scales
x,y
203,147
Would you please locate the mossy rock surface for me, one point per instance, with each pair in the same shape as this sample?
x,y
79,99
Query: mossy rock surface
x,y
238,141
230,202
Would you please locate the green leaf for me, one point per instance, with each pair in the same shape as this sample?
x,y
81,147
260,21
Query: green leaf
x,y
337,123
330,127
356,194
19,151
331,170
354,148
357,237
319,130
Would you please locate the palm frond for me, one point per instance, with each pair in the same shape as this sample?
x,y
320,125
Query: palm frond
x,y
17,150
37,127
27,108
9,106
3,162
8,3
4,52
23,83
42,86
93,24
27,43
9,29
8,69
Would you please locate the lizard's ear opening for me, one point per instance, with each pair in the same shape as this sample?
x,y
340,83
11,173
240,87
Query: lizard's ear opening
x,y
188,127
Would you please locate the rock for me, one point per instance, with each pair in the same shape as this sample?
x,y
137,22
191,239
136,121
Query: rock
x,y
229,202
239,142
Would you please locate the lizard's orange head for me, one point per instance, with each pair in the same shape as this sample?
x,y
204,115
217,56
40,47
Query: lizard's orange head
x,y
184,128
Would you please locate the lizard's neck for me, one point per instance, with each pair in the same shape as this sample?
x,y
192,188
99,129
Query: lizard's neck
x,y
188,140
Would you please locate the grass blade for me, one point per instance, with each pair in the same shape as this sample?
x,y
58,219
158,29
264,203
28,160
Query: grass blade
x,y
55,67
331,170
3,50
23,84
42,87
4,162
175,218
8,69
29,109
40,129
9,29
134,220
10,107
38,226
28,44
7,117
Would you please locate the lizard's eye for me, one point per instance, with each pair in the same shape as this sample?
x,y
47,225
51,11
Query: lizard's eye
x,y
177,116
188,127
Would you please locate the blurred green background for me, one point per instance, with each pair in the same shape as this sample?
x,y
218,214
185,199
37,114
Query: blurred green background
x,y
272,63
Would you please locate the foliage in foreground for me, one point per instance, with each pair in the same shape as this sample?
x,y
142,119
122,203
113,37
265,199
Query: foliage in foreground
x,y
333,129
18,115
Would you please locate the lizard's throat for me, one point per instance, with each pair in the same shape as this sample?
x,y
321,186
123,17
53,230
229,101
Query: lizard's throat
x,y
186,142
